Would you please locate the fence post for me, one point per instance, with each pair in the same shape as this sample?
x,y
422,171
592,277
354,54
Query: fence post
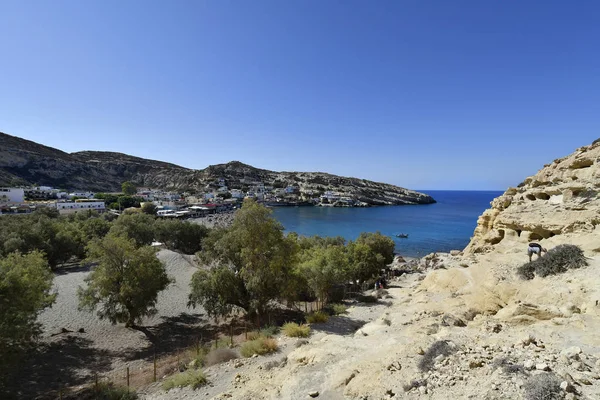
x,y
231,333
128,377
246,329
154,365
97,387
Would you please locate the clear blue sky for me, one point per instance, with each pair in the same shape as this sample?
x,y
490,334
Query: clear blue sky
x,y
424,94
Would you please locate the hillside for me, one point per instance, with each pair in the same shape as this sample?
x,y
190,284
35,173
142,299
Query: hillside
x,y
23,162
464,326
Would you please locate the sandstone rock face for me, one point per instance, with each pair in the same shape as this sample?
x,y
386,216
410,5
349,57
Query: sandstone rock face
x,y
23,162
561,199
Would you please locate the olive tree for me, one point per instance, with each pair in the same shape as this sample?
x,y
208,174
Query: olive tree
x,y
25,290
124,285
255,250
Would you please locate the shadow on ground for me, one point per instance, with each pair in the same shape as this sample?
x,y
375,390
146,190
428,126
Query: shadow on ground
x,y
66,362
338,325
172,334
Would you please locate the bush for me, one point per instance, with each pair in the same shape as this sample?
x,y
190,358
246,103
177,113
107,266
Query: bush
x,y
558,260
269,331
218,356
545,386
223,342
192,378
108,391
292,329
441,347
317,317
259,346
338,309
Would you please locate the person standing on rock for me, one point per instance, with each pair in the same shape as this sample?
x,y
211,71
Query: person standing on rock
x,y
535,248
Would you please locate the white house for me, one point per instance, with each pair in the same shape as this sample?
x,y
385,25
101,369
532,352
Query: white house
x,y
69,207
86,195
11,195
209,196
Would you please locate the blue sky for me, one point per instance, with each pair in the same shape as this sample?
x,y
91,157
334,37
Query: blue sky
x,y
422,94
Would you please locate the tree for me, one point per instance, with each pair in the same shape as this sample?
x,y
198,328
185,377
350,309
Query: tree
x,y
323,268
139,227
124,286
380,244
219,291
25,290
149,208
364,263
255,249
178,235
128,188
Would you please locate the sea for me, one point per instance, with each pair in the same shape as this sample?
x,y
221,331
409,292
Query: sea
x,y
440,227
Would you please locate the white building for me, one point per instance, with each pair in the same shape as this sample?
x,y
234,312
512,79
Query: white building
x,y
70,207
237,194
86,195
11,195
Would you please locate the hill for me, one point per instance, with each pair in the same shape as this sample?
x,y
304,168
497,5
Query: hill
x,y
23,162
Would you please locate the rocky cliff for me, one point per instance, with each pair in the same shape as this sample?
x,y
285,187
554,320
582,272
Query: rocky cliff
x,y
560,200
23,162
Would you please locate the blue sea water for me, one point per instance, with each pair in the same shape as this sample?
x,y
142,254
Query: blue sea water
x,y
443,226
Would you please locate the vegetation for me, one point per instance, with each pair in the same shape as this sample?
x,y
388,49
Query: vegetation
x,y
269,331
25,284
317,317
139,227
149,208
261,345
108,391
441,347
337,309
184,236
558,260
128,188
124,286
218,356
292,329
193,378
253,262
545,386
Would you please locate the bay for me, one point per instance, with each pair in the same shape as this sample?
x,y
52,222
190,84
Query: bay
x,y
443,226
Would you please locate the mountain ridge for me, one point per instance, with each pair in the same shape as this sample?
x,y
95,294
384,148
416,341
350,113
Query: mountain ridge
x,y
24,162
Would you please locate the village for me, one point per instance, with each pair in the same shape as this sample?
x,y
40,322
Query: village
x,y
216,198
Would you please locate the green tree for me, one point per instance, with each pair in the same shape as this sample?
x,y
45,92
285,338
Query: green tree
x,y
124,286
382,245
219,291
323,268
139,227
149,208
255,249
178,235
364,262
128,188
25,290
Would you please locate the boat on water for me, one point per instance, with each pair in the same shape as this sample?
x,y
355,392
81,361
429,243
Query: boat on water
x,y
402,235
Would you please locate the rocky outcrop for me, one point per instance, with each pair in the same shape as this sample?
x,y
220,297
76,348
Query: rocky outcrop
x,y
23,162
561,199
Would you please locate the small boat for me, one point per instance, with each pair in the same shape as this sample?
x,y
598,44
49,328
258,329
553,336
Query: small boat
x,y
402,235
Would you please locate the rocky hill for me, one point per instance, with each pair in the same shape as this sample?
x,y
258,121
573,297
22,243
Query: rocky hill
x,y
23,162
558,203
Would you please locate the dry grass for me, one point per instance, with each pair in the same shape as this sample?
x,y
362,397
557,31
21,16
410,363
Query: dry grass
x,y
441,347
261,345
292,329
192,378
317,317
218,356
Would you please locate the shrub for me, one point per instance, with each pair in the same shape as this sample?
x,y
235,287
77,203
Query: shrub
x,y
192,378
223,342
269,331
544,386
317,317
218,356
108,391
558,260
441,347
259,346
337,309
253,335
292,329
